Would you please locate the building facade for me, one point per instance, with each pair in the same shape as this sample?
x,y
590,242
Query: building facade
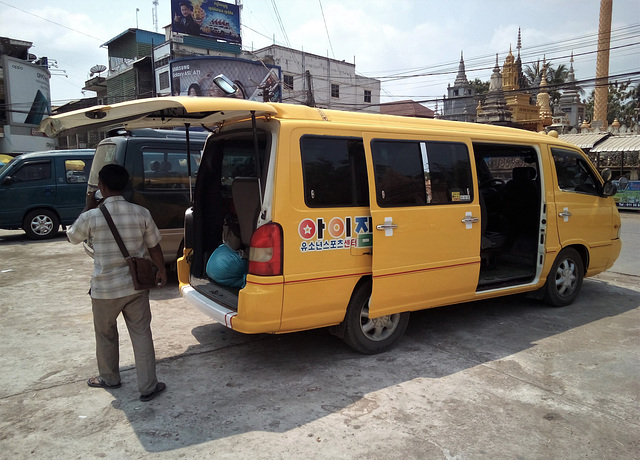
x,y
318,81
25,98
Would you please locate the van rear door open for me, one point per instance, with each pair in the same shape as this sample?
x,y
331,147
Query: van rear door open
x,y
425,221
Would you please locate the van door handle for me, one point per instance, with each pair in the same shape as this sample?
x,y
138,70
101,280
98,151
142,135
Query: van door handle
x,y
565,214
469,220
388,226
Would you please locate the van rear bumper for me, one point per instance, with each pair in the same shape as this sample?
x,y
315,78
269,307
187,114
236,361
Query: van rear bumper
x,y
218,312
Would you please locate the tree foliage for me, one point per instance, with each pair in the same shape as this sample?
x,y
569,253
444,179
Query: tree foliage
x,y
481,87
623,103
556,79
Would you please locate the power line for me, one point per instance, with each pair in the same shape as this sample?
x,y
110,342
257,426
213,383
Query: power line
x,y
53,22
326,29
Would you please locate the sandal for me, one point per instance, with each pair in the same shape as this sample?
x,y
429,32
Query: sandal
x,y
160,387
97,382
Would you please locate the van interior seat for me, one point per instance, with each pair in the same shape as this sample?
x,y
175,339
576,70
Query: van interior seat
x,y
521,203
490,242
246,199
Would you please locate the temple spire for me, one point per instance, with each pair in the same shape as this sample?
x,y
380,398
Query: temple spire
x,y
461,78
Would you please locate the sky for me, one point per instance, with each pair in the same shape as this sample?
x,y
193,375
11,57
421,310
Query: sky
x,y
412,46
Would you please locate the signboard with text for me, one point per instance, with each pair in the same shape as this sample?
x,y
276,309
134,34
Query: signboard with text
x,y
28,91
206,18
255,80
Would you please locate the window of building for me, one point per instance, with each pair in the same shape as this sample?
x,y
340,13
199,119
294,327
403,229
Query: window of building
x,y
77,171
288,81
334,171
164,80
411,173
367,95
335,90
574,173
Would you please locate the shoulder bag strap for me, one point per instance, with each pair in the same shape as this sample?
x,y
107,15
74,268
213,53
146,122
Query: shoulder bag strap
x,y
114,231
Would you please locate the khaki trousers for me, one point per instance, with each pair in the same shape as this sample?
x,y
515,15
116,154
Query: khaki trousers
x,y
137,316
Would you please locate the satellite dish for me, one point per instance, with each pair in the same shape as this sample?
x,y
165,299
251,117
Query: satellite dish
x,y
97,69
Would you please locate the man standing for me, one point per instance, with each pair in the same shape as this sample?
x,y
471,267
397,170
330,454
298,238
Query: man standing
x,y
186,23
112,289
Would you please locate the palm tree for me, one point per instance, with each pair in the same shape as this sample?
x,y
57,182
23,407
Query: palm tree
x,y
556,79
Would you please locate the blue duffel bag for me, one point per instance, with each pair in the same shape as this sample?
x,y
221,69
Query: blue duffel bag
x,y
226,267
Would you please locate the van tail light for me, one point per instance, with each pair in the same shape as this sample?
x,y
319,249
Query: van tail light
x,y
265,253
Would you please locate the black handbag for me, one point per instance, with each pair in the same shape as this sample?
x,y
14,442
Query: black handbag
x,y
143,271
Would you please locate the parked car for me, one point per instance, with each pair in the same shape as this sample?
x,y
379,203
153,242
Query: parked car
x,y
159,176
42,190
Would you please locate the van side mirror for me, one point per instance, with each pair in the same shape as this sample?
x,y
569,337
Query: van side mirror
x,y
609,189
606,174
228,87
8,180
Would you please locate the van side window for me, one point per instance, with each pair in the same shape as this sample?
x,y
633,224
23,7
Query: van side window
x,y
447,172
411,173
334,171
574,173
77,171
168,170
34,171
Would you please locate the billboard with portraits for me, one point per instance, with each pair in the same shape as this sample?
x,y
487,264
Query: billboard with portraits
x,y
206,18
255,80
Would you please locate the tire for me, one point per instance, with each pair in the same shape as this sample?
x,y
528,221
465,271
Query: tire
x,y
41,224
371,335
565,279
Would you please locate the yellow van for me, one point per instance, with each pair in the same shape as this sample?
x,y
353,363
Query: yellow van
x,y
353,220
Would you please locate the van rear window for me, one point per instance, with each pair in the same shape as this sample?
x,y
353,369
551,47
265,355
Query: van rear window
x,y
335,171
168,170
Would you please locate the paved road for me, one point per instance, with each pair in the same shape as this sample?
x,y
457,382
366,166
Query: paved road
x,y
629,260
506,378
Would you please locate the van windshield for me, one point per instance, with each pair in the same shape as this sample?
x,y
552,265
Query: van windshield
x,y
105,155
4,166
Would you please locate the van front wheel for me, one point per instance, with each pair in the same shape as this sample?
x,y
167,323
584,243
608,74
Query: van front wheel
x,y
565,279
41,224
371,335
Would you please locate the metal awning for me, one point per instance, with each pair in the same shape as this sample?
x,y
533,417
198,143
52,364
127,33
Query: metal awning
x,y
620,143
584,141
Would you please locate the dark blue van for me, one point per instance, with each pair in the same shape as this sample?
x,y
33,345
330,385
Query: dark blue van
x,y
40,191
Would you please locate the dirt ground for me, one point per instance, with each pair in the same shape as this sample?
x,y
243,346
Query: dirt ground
x,y
506,378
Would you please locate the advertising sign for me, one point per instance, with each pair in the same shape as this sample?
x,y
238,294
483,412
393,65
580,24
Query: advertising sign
x,y
206,18
255,80
28,93
628,195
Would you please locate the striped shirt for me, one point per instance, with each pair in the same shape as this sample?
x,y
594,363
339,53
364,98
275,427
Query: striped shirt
x,y
111,277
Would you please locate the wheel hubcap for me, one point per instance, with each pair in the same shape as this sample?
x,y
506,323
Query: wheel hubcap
x,y
377,329
566,277
41,225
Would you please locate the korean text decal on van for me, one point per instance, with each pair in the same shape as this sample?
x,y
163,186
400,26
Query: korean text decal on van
x,y
338,233
353,220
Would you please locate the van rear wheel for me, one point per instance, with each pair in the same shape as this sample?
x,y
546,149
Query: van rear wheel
x,y
565,279
371,335
41,224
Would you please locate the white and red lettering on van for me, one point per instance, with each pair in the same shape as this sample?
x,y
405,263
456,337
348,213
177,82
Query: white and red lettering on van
x,y
339,233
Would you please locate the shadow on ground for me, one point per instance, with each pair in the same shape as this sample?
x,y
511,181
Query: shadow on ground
x,y
232,384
